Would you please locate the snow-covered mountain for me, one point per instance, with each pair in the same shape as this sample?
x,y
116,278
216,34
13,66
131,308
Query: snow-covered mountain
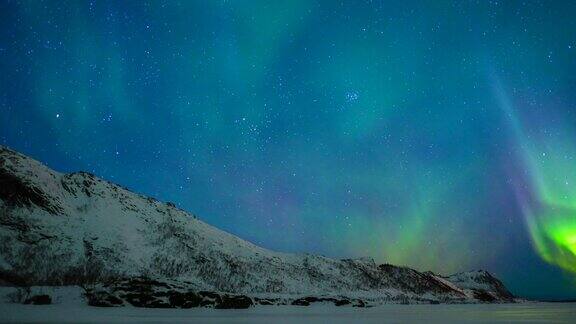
x,y
66,229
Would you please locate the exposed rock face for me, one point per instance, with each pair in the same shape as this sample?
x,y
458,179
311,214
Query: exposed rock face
x,y
337,301
39,300
74,228
144,292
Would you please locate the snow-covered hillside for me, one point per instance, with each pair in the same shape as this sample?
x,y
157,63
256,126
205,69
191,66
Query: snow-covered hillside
x,y
65,229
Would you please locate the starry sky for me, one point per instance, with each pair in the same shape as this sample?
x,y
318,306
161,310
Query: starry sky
x,y
439,135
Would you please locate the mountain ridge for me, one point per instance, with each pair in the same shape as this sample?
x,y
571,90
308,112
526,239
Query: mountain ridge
x,y
63,229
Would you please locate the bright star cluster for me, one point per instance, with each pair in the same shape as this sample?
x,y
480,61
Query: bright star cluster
x,y
439,135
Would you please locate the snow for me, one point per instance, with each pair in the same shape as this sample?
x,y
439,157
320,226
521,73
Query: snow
x,y
69,307
471,313
104,228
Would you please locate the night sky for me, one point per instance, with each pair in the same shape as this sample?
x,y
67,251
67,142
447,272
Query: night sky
x,y
435,134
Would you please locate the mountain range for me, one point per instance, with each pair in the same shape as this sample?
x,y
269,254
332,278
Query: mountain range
x,y
125,248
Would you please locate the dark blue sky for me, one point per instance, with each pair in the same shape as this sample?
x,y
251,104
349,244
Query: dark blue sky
x,y
435,134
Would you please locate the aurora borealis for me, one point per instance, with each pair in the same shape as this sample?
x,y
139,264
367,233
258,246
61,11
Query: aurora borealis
x,y
548,201
435,134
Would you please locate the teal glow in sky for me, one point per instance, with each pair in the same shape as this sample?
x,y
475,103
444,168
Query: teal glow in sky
x,y
435,134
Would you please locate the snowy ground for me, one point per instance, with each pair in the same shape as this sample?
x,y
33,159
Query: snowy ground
x,y
69,307
526,313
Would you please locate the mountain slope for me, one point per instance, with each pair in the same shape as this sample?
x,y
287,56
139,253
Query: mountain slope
x,y
75,228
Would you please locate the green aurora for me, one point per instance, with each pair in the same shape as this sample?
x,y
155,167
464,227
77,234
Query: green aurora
x,y
434,134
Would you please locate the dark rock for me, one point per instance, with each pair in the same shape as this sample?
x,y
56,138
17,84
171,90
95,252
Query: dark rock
x,y
150,293
342,302
39,300
209,295
145,299
208,302
306,301
311,299
15,192
102,299
184,300
156,303
300,302
143,282
359,303
113,300
234,302
483,295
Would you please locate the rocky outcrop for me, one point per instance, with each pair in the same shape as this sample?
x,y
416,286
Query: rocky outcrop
x,y
148,293
337,301
39,300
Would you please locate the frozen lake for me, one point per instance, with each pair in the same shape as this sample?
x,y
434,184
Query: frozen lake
x,y
526,313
